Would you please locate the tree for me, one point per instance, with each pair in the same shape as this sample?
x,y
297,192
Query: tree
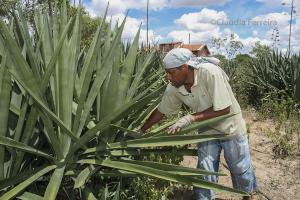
x,y
242,58
89,27
5,6
231,45
260,50
29,7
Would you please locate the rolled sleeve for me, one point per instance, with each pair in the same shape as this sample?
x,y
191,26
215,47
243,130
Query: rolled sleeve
x,y
170,104
218,91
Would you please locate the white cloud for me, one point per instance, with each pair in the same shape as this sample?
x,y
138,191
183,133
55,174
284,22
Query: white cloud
x,y
195,37
283,26
195,3
117,9
131,28
281,19
250,41
201,21
97,7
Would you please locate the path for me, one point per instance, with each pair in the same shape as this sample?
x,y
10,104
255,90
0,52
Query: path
x,y
278,179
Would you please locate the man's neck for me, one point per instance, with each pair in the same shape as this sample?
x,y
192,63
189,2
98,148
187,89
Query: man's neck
x,y
190,80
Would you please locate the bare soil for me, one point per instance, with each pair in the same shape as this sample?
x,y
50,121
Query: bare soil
x,y
278,179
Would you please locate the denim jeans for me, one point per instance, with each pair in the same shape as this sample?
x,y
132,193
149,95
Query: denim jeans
x,y
237,156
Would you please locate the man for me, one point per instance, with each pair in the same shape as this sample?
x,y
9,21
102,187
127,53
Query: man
x,y
202,85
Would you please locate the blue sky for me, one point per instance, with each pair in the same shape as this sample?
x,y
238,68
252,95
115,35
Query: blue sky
x,y
173,20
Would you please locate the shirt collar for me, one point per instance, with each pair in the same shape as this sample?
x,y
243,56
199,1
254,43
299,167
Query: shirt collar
x,y
182,89
196,77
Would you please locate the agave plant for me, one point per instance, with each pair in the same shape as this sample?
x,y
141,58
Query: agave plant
x,y
70,112
277,73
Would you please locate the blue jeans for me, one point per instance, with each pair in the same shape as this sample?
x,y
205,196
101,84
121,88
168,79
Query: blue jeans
x,y
237,156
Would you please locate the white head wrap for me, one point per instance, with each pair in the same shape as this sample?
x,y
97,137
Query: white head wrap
x,y
180,56
177,57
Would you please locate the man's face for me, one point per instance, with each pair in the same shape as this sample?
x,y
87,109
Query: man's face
x,y
177,76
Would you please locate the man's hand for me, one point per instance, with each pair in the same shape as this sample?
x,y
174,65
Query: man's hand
x,y
181,123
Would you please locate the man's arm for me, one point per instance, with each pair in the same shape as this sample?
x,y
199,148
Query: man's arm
x,y
210,113
154,118
200,116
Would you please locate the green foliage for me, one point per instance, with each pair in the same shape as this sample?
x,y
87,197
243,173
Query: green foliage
x,y
69,120
89,25
89,28
240,81
28,7
260,50
274,88
6,6
233,63
283,146
276,74
147,188
269,81
285,114
278,109
239,72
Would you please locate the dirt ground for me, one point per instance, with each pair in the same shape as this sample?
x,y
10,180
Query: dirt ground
x,y
278,179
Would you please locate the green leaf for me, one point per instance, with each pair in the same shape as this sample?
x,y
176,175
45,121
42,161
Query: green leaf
x,y
161,174
117,193
144,115
174,169
100,77
30,196
144,152
128,68
22,26
66,69
51,65
8,142
198,125
84,175
86,76
18,178
106,173
54,184
172,140
48,112
5,89
20,68
115,116
21,71
116,173
20,187
88,194
138,76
